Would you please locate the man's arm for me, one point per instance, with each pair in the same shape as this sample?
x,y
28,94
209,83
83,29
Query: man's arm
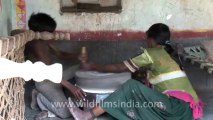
x,y
62,54
76,91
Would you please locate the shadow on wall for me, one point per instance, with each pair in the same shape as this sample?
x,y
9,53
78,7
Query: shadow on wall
x,y
9,25
5,18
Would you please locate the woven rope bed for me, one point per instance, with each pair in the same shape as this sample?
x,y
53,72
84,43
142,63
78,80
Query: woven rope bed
x,y
12,106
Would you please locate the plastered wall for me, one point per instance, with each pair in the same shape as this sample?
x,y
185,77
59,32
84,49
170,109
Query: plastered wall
x,y
137,15
5,17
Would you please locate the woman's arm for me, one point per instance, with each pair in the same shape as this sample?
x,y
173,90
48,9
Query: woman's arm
x,y
114,68
131,65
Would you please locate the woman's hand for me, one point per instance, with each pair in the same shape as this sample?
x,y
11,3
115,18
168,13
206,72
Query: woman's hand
x,y
83,58
84,63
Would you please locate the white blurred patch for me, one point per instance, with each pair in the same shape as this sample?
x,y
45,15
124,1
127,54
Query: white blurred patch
x,y
168,17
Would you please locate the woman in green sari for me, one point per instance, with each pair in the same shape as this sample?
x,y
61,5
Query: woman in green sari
x,y
172,97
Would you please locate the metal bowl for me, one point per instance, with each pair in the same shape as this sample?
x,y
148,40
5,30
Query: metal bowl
x,y
96,82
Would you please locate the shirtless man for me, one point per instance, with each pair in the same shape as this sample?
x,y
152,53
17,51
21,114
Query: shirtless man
x,y
46,93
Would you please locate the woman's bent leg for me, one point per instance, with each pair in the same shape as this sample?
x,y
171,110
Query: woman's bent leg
x,y
133,100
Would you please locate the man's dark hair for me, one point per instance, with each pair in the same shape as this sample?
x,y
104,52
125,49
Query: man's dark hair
x,y
41,22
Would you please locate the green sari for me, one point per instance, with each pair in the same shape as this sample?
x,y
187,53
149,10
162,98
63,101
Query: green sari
x,y
135,101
